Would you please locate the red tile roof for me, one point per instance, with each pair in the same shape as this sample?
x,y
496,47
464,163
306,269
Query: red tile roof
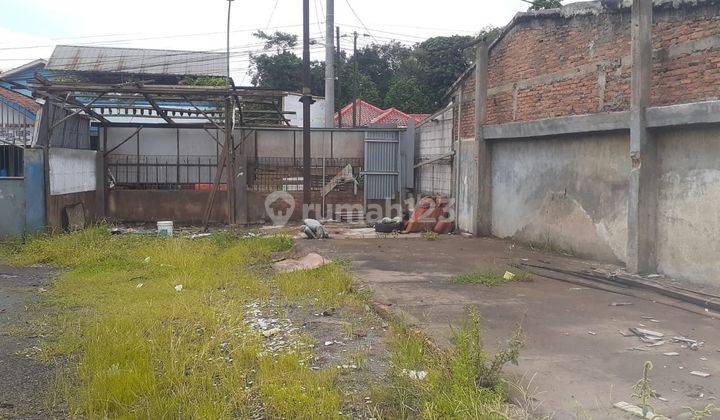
x,y
23,101
368,115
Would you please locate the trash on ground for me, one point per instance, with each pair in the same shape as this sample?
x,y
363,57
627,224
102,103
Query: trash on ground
x,y
139,285
700,374
656,344
415,374
388,225
620,304
509,276
693,344
117,231
647,336
329,343
308,262
634,410
592,333
179,287
200,235
671,353
314,229
165,228
271,332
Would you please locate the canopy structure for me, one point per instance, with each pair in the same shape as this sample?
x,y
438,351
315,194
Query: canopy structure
x,y
134,104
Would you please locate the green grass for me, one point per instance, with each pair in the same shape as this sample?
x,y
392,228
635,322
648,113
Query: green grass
x,y
461,383
489,279
134,347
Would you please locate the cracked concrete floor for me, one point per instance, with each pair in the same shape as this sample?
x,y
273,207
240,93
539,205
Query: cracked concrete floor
x,y
580,361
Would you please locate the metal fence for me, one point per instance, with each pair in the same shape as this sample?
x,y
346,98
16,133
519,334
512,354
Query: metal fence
x,y
162,172
285,174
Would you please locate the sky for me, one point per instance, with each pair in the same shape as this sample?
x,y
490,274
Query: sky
x,y
29,29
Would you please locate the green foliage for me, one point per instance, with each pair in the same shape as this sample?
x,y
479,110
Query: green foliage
x,y
204,81
545,4
464,383
407,94
278,41
429,235
412,79
139,348
489,279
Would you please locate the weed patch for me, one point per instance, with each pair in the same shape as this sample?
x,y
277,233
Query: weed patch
x,y
461,383
138,345
489,279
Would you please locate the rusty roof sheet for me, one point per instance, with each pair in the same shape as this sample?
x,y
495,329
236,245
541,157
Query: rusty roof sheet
x,y
137,61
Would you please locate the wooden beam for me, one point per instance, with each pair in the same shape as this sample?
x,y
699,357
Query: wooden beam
x,y
157,109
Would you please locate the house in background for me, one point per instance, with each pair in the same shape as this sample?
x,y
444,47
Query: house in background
x,y
369,115
20,77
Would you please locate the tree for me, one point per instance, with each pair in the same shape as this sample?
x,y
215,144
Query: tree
x,y
545,4
406,94
279,41
441,60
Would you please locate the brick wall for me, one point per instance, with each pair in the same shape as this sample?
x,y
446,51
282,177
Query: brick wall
x,y
551,65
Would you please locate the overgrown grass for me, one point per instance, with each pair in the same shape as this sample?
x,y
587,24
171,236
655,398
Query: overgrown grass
x,y
489,279
137,347
462,383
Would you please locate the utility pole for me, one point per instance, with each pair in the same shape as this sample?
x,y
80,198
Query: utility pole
x,y
307,101
229,141
228,42
355,87
329,66
339,86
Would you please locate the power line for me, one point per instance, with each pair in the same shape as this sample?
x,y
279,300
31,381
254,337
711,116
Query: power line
x,y
272,13
358,18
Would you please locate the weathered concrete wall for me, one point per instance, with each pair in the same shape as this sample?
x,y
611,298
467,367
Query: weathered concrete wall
x,y
72,171
433,139
467,185
150,206
565,193
688,241
12,206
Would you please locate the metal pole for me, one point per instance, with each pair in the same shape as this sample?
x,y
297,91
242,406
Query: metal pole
x,y
339,87
329,66
307,101
228,42
355,76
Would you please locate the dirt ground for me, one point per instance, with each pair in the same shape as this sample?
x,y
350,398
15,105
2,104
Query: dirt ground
x,y
25,380
576,353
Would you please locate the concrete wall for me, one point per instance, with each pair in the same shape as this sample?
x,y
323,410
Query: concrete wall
x,y
12,206
434,139
317,111
688,242
150,206
467,184
72,171
563,193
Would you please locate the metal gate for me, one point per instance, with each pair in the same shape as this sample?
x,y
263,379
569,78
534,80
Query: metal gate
x,y
382,165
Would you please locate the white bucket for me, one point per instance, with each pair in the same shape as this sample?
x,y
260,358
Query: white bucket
x,y
165,228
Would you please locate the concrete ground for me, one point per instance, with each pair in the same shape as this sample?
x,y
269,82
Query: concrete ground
x,y
25,380
575,348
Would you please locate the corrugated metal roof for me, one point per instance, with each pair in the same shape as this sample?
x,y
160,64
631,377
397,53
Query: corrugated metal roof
x,y
138,61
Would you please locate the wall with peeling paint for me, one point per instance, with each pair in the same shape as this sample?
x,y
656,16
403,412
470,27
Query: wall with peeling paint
x,y
688,241
564,193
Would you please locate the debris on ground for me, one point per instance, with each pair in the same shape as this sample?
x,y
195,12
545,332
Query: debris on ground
x,y
509,276
308,262
388,225
179,288
635,410
419,375
200,235
700,374
314,229
271,332
650,337
620,304
692,344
